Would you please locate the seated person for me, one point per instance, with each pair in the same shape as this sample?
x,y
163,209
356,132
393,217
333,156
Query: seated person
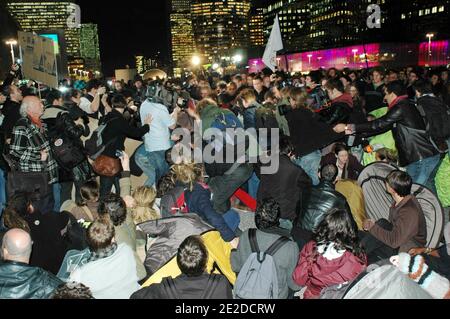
x,y
47,229
267,219
194,283
111,269
315,204
347,164
198,201
18,279
286,185
333,257
406,227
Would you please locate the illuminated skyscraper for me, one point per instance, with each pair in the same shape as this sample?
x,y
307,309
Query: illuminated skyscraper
x,y
140,64
89,46
39,16
257,27
220,27
182,36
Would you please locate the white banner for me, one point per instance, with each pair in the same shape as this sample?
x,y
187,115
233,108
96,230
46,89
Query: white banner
x,y
274,45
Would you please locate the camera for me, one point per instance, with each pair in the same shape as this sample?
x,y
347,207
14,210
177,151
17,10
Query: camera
x,y
183,100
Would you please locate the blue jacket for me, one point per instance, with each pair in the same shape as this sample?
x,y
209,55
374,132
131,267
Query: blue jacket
x,y
250,116
199,202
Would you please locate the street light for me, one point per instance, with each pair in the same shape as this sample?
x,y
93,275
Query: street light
x,y
237,58
429,36
195,60
12,43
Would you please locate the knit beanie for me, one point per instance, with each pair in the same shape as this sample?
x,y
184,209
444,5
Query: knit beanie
x,y
416,269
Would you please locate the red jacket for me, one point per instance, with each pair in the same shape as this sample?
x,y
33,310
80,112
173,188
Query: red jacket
x,y
317,273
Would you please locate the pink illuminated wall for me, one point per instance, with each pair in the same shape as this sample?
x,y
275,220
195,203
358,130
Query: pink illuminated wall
x,y
439,53
353,57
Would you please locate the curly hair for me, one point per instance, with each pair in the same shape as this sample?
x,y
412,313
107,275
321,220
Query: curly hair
x,y
114,206
340,228
187,174
72,290
267,214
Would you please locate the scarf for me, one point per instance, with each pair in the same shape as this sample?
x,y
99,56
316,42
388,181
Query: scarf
x,y
397,100
103,253
344,98
36,121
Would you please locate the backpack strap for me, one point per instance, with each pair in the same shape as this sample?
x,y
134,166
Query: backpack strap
x,y
253,241
213,282
169,287
280,242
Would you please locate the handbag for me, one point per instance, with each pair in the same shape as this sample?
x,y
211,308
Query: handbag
x,y
107,166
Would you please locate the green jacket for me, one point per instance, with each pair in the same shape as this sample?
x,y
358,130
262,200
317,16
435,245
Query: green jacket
x,y
209,115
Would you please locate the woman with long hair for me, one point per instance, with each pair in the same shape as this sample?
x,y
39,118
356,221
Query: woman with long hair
x,y
333,257
144,201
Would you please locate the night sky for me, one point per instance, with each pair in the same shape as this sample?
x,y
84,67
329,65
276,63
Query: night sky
x,y
128,28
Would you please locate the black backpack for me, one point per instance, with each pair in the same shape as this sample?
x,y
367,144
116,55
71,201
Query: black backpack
x,y
436,115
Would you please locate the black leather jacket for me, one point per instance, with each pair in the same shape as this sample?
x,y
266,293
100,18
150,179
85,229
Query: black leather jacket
x,y
408,127
316,203
21,281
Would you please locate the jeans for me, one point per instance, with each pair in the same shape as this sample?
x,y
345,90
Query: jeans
x,y
311,165
223,187
153,164
106,184
232,219
253,186
422,171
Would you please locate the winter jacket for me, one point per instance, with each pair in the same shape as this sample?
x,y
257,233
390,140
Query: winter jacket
x,y
61,125
409,226
170,233
285,259
250,116
49,245
321,267
21,281
316,203
27,142
11,111
409,131
351,170
285,186
340,110
187,288
119,129
199,202
374,97
308,133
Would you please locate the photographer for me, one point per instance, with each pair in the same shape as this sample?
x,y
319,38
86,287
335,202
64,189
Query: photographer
x,y
308,133
116,131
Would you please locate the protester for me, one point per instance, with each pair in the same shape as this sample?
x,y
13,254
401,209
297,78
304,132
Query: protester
x,y
333,257
19,279
406,227
194,282
349,167
111,269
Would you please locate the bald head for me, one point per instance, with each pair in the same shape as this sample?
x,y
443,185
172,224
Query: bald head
x,y
17,246
31,106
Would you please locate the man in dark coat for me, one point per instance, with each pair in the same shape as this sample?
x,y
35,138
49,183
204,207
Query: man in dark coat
x,y
19,280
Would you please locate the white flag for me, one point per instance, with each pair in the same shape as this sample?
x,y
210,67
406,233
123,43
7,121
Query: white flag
x,y
274,45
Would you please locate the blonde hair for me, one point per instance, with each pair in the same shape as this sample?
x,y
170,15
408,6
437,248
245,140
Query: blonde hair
x,y
145,199
187,173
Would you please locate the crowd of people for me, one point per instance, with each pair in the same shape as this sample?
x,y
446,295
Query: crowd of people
x,y
74,226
